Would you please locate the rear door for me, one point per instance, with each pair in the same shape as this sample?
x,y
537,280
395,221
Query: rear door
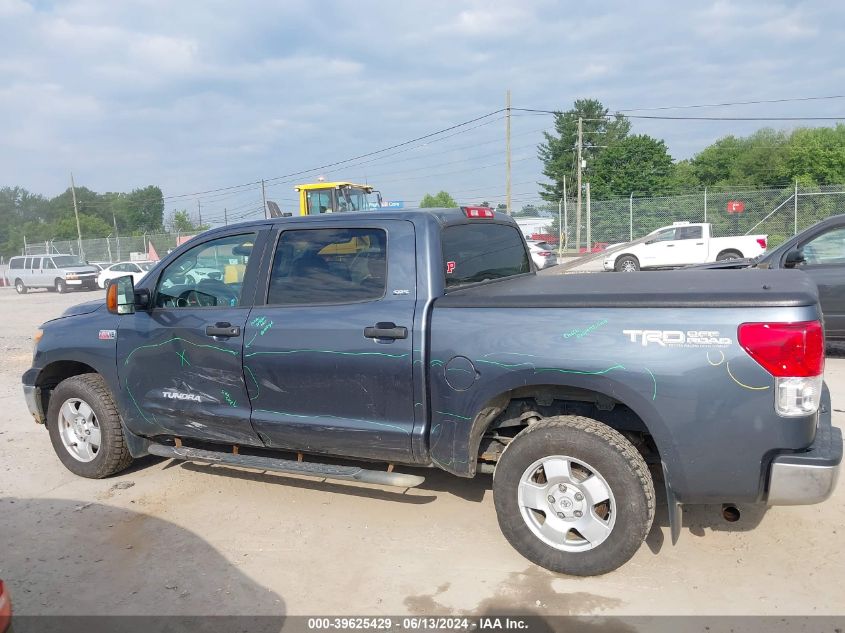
x,y
328,358
180,364
36,274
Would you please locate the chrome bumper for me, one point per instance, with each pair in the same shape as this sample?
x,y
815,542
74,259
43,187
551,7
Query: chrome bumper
x,y
810,476
32,395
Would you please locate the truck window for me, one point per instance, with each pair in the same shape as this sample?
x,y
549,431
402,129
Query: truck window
x,y
688,233
319,201
325,266
828,248
206,276
48,264
36,263
479,252
667,235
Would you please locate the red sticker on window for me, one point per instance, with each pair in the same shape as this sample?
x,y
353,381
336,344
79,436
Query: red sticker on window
x,y
450,268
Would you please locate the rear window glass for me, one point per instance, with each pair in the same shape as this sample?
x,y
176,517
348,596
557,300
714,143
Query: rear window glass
x,y
481,252
16,264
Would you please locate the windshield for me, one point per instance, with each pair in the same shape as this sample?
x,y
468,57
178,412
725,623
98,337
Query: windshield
x,y
67,260
352,199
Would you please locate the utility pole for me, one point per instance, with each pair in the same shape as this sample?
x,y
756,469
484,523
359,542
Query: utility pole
x,y
76,213
225,217
589,237
116,235
565,215
508,151
199,212
263,199
578,199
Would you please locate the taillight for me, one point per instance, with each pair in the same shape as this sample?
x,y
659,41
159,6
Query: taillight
x,y
794,354
477,212
762,242
544,253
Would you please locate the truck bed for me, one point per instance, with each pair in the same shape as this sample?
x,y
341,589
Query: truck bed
x,y
675,289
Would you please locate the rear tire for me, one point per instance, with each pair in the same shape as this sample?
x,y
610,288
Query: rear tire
x,y
605,479
20,288
60,286
71,429
627,264
726,255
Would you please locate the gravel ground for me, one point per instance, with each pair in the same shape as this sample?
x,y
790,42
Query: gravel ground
x,y
174,538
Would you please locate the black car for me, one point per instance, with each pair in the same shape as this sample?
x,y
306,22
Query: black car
x,y
819,251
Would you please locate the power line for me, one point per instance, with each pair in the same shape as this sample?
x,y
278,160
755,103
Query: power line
x,y
700,118
734,103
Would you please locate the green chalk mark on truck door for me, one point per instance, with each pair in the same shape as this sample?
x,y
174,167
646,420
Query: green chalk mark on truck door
x,y
184,340
333,417
183,359
324,351
577,371
650,373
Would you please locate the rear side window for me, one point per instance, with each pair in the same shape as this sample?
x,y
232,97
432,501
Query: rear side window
x,y
325,266
16,263
480,252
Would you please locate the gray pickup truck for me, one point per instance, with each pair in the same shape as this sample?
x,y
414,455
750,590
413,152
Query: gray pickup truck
x,y
426,339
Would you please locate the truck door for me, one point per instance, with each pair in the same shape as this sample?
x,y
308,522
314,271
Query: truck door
x,y
328,358
659,250
824,262
690,245
180,363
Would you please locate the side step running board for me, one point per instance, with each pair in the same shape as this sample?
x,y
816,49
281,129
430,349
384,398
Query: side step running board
x,y
326,471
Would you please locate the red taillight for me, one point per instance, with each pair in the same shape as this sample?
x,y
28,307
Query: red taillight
x,y
544,253
762,242
785,349
477,212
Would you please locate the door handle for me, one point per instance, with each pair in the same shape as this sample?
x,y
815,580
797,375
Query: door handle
x,y
386,330
223,330
670,246
699,243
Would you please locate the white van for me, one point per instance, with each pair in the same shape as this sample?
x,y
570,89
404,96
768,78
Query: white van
x,y
58,273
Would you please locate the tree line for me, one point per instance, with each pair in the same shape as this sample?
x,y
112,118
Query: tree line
x,y
618,163
36,218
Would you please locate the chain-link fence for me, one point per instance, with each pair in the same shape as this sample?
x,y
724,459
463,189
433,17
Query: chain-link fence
x,y
778,213
112,249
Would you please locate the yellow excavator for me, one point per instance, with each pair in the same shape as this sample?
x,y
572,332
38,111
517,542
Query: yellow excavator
x,y
331,197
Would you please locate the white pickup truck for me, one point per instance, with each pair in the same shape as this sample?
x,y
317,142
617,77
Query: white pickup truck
x,y
681,244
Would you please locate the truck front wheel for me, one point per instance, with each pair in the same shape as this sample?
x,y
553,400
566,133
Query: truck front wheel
x,y
85,427
574,496
627,264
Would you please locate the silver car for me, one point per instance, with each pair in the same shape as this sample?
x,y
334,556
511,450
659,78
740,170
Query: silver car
x,y
58,273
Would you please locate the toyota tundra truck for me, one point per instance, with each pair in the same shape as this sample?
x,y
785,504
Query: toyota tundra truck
x,y
372,346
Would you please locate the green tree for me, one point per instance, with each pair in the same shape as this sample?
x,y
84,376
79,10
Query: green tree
x,y
636,164
440,201
181,222
559,150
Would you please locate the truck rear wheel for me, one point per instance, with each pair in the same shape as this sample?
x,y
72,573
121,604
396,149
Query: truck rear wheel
x,y
726,255
85,427
574,496
627,264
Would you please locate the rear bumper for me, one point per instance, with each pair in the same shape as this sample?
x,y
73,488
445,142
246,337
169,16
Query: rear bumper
x,y
810,476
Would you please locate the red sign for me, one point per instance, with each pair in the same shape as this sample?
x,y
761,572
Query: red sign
x,y
736,206
450,268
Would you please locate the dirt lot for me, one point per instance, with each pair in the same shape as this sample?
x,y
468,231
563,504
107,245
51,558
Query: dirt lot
x,y
171,538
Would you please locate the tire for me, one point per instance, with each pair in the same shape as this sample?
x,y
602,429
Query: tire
x,y
726,255
60,286
20,288
627,264
106,284
617,526
111,455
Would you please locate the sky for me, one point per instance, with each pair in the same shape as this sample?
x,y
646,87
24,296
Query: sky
x,y
196,96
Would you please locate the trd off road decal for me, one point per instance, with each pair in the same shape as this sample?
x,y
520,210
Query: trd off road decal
x,y
678,338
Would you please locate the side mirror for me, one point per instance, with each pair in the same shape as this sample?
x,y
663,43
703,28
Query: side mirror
x,y
794,258
120,297
651,241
